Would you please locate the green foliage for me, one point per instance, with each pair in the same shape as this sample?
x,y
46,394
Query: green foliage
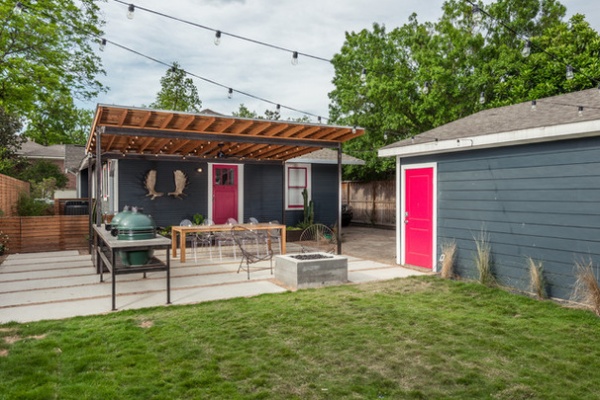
x,y
244,112
4,240
370,341
456,60
37,171
27,206
309,211
198,219
59,123
177,93
46,54
10,143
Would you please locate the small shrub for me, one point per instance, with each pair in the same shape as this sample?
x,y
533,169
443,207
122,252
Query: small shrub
x,y
27,206
537,283
587,288
483,259
449,255
4,239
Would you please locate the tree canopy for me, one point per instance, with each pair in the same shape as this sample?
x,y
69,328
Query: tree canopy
x,y
46,62
413,78
178,92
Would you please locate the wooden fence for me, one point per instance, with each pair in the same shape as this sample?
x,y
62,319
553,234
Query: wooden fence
x,y
10,188
49,233
372,203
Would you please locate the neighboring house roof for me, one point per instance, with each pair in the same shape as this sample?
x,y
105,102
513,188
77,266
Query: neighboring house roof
x,y
31,149
74,154
554,118
326,156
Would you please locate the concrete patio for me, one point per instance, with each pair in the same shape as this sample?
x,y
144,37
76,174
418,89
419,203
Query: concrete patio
x,y
58,285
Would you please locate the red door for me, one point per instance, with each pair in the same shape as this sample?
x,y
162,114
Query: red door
x,y
225,193
418,217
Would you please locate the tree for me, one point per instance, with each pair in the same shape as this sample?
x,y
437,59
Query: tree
x,y
59,123
177,93
46,54
423,75
10,142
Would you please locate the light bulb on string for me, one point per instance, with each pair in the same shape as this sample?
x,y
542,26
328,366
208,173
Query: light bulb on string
x,y
580,111
533,105
295,58
102,44
526,49
425,89
18,8
477,14
130,11
217,38
482,98
569,74
230,93
278,107
363,75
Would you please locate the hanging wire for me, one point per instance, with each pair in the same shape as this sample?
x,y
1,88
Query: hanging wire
x,y
103,42
213,82
221,33
481,11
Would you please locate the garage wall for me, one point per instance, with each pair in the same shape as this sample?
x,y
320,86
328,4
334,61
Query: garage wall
x,y
540,201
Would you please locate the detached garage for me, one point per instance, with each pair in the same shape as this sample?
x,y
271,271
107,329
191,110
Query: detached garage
x,y
527,175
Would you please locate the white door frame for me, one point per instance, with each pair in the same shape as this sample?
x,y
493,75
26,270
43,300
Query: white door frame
x,y
401,207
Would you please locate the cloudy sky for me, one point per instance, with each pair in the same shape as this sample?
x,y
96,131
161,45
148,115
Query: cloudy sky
x,y
315,27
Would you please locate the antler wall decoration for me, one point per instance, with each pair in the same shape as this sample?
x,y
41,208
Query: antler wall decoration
x,y
181,182
150,182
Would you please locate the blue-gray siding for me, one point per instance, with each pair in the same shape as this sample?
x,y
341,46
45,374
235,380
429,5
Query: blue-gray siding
x,y
540,201
263,191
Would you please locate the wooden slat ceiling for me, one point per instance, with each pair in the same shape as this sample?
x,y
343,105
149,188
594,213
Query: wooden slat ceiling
x,y
142,131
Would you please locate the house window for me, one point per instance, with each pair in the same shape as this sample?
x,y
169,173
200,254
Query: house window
x,y
297,180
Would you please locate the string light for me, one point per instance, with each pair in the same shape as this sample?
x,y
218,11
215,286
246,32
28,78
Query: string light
x,y
569,74
18,8
363,75
477,14
580,111
482,98
295,58
230,93
425,89
217,38
533,105
526,49
130,11
102,44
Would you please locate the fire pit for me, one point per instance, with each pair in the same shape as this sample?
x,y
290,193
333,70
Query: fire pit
x,y
308,270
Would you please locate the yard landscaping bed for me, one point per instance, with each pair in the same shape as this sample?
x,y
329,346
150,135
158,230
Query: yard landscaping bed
x,y
408,338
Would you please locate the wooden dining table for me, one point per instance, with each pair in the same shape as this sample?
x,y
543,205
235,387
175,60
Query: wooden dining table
x,y
182,231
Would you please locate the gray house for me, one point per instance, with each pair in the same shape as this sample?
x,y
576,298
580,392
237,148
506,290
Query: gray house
x,y
176,164
528,175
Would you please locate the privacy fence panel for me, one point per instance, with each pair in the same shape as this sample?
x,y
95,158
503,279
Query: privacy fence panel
x,y
9,194
49,233
372,202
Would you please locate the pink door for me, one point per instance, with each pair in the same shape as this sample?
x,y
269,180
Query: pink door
x,y
418,217
225,193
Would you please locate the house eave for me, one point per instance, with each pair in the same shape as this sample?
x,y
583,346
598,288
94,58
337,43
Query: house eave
x,y
500,139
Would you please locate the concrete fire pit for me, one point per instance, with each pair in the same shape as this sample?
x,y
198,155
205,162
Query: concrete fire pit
x,y
309,270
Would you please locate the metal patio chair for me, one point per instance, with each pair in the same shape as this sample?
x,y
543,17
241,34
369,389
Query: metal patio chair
x,y
318,238
241,236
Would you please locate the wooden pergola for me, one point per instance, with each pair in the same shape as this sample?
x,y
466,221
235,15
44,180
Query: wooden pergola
x,y
119,131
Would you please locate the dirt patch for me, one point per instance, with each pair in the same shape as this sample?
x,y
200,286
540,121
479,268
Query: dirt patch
x,y
3,353
146,324
7,330
11,339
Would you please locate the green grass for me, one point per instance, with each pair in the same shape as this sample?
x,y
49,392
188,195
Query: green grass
x,y
416,338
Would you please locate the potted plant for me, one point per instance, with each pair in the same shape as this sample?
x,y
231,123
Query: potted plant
x,y
293,232
4,238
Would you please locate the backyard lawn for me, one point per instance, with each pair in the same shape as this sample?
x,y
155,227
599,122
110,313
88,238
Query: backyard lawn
x,y
414,338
